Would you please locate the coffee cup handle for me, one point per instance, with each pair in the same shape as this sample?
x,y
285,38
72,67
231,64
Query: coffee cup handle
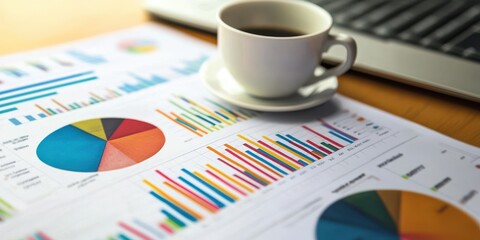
x,y
349,44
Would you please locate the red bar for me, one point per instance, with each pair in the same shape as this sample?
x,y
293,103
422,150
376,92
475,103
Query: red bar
x,y
282,154
166,228
240,171
319,147
226,183
187,190
304,149
245,180
249,164
331,127
324,137
134,231
272,159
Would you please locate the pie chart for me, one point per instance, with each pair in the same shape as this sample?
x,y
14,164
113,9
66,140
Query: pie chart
x,y
390,214
100,144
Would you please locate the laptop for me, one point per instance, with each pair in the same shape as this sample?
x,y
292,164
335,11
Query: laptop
x,y
434,44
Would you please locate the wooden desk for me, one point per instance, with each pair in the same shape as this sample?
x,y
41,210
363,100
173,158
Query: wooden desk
x,y
26,24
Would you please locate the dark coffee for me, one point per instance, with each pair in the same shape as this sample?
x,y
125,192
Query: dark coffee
x,y
272,31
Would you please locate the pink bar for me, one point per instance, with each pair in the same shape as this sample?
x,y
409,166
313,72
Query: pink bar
x,y
134,231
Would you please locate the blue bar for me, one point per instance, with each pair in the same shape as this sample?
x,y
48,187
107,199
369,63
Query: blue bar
x,y
159,79
48,88
299,153
42,115
340,136
174,207
149,228
186,124
305,145
209,186
28,99
175,219
303,163
279,161
30,118
204,119
8,110
46,82
86,58
210,197
219,113
123,237
258,180
266,162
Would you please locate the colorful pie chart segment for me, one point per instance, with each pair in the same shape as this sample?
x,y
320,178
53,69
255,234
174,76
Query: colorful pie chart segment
x,y
101,144
389,214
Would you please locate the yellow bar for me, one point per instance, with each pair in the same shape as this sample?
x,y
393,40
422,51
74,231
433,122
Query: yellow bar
x,y
269,152
183,119
210,112
229,115
252,159
238,165
216,185
230,178
286,149
173,120
193,198
165,195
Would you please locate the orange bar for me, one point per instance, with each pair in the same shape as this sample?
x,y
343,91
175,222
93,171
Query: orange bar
x,y
186,194
173,120
169,198
230,178
238,165
183,119
216,185
95,95
61,105
253,160
210,112
43,110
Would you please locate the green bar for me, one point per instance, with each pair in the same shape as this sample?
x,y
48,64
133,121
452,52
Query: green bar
x,y
4,214
78,105
51,111
72,107
94,100
329,146
172,224
6,204
193,120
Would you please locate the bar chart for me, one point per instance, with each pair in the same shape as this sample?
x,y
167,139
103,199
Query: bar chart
x,y
227,173
57,97
203,118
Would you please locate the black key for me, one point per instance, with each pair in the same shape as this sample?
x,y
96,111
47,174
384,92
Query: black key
x,y
380,14
466,44
407,18
337,5
433,21
320,2
355,11
439,37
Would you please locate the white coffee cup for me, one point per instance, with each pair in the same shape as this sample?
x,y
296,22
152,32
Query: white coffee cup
x,y
274,67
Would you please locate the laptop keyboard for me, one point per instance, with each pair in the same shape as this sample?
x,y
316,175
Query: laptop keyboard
x,y
449,26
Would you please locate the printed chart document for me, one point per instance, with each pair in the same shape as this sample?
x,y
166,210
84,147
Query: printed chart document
x,y
114,137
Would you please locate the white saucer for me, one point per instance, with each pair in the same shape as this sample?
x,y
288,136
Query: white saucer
x,y
218,80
